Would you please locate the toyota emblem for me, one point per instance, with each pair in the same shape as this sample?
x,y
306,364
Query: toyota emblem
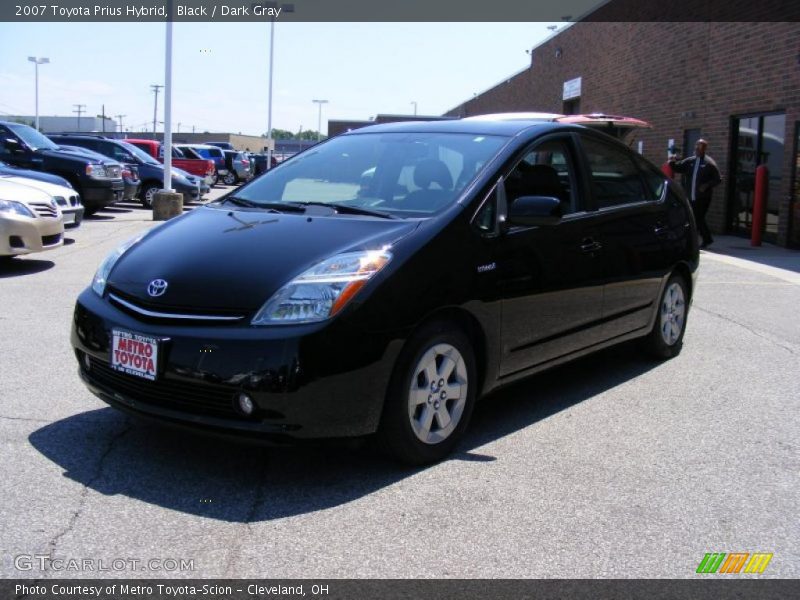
x,y
157,287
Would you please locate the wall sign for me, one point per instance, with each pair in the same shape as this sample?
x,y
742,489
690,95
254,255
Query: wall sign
x,y
572,89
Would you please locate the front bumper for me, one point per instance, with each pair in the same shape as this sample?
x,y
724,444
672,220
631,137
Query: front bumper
x,y
73,216
305,382
23,235
98,193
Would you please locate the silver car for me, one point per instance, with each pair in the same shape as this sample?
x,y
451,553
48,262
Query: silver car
x,y
239,167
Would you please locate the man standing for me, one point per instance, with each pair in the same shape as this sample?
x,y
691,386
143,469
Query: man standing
x,y
704,177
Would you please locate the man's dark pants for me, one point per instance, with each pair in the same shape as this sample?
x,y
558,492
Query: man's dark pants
x,y
700,207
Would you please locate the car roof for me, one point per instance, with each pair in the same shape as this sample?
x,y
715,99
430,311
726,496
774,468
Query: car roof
x,y
506,128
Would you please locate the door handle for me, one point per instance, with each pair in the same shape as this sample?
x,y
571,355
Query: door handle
x,y
589,246
660,229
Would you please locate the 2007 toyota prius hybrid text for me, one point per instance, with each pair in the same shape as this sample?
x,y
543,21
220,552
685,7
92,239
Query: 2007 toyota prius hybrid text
x,y
381,281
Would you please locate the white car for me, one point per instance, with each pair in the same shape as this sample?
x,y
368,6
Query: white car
x,y
67,199
30,220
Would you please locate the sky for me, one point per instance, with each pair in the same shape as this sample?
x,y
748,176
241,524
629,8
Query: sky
x,y
220,70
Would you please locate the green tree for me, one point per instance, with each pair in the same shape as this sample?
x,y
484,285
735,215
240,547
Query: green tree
x,y
281,134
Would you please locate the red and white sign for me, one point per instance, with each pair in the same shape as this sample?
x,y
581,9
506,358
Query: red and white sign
x,y
134,354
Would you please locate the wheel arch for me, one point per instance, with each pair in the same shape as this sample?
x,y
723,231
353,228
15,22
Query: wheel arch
x,y
467,323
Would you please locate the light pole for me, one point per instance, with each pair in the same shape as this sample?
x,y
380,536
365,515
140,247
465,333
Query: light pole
x,y
319,119
38,61
285,8
414,102
119,120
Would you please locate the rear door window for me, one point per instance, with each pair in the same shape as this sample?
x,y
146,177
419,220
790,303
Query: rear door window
x,y
615,179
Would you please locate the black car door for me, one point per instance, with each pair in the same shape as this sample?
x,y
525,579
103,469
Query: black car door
x,y
632,225
547,276
15,152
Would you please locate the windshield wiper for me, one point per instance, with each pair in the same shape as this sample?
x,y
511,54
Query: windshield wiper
x,y
349,209
268,206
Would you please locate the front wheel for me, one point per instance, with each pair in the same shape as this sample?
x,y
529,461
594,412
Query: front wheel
x,y
666,338
431,395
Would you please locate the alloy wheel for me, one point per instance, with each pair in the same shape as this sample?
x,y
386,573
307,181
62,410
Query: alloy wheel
x,y
438,393
673,313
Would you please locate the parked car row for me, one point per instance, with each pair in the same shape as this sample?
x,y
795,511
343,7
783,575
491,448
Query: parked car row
x,y
139,156
52,181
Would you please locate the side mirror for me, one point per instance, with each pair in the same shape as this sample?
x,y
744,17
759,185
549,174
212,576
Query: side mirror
x,y
14,146
535,210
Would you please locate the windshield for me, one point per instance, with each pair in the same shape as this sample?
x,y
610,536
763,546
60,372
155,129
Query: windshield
x,y
140,154
401,174
31,137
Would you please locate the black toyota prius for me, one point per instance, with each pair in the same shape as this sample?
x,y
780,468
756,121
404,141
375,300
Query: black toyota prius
x,y
382,281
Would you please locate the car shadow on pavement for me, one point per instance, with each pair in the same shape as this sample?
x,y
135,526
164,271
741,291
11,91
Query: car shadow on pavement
x,y
15,267
109,453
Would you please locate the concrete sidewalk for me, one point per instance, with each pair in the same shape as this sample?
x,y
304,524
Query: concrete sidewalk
x,y
767,258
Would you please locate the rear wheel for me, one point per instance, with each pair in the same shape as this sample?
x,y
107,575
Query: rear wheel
x,y
666,338
149,194
431,395
215,178
230,178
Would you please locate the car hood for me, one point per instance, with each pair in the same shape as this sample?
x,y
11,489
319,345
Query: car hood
x,y
217,260
16,192
49,188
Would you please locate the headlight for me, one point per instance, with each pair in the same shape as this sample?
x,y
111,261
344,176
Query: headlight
x,y
17,208
96,171
104,270
323,290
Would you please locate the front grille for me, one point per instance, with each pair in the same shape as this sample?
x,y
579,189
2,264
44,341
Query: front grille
x,y
74,200
196,398
44,209
49,240
141,309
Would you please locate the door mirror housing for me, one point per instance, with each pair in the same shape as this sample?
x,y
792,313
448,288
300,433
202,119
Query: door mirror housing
x,y
535,210
14,146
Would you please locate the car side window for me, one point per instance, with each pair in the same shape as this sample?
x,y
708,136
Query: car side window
x,y
615,178
654,180
116,152
545,170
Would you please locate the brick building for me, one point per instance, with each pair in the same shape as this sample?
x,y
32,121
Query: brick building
x,y
735,84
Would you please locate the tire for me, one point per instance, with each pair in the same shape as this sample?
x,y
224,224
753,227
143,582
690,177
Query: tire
x,y
420,430
665,340
147,195
230,178
215,181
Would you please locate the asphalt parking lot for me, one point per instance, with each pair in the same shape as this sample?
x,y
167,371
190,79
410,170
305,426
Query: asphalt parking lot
x,y
614,466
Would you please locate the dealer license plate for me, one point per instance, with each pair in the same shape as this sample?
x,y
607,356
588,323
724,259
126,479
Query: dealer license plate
x,y
134,354
69,218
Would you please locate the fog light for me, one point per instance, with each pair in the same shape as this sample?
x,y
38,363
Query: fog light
x,y
245,403
87,362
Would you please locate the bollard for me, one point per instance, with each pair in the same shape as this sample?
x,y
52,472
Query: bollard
x,y
759,204
666,169
167,204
